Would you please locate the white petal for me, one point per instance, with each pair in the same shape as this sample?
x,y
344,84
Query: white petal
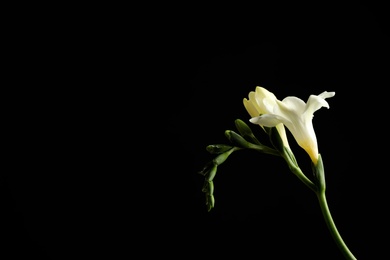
x,y
316,102
295,104
327,94
265,100
268,120
250,108
271,121
263,93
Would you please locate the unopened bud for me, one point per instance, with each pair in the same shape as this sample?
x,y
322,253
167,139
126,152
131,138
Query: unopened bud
x,y
236,139
210,201
218,148
211,174
243,128
208,187
222,157
246,132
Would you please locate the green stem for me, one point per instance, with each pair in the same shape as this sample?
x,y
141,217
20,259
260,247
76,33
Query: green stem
x,y
297,171
294,168
332,227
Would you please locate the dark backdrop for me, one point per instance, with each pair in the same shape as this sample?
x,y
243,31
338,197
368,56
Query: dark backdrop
x,y
111,130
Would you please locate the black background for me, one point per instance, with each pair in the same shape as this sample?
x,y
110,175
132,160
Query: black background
x,y
111,116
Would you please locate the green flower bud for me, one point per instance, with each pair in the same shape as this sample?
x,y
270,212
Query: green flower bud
x,y
243,128
245,131
210,201
240,141
208,187
218,148
222,157
211,174
237,139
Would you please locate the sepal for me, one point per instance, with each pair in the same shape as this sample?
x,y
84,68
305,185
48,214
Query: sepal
x,y
319,174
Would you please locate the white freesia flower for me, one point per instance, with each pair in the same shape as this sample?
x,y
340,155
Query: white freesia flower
x,y
262,102
292,112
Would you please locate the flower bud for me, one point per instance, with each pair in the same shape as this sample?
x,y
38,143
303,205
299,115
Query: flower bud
x,y
211,174
208,187
210,201
243,128
222,157
218,148
246,132
237,139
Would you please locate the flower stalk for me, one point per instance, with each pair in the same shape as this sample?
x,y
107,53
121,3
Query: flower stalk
x,y
319,176
332,227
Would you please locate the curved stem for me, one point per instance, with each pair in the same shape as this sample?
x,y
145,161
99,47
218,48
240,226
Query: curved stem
x,y
332,227
294,168
297,171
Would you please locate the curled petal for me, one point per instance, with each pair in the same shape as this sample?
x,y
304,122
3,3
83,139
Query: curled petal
x,y
316,102
327,94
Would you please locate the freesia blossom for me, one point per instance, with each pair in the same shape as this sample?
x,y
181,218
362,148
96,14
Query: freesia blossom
x,y
266,110
262,102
